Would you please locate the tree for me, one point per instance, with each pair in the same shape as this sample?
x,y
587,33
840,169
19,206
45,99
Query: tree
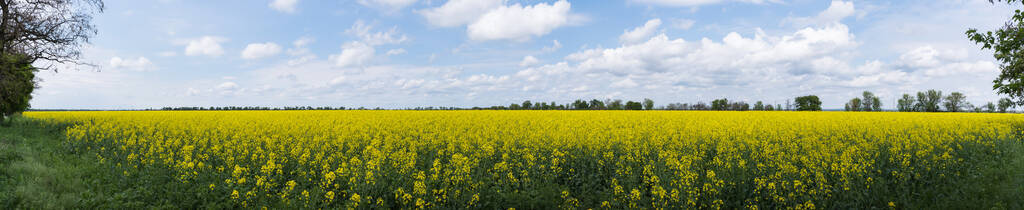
x,y
1004,104
17,77
1008,46
868,101
597,104
580,104
906,103
876,104
955,102
759,106
990,107
616,105
928,101
527,104
720,104
854,105
769,108
648,104
633,105
808,103
39,30
50,30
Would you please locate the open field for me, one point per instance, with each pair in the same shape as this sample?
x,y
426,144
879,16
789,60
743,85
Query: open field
x,y
545,159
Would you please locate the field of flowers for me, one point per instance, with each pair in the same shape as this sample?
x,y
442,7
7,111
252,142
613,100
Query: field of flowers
x,y
549,159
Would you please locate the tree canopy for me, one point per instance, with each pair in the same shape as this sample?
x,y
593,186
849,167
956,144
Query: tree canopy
x,y
1007,42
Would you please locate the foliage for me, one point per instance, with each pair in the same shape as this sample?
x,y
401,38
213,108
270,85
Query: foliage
x,y
906,103
853,105
955,102
17,81
928,101
544,159
808,103
1008,44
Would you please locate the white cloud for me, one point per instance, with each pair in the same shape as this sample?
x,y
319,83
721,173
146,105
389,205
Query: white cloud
x,y
286,6
207,45
516,22
555,45
458,12
168,53
684,24
529,60
299,52
260,50
641,33
927,56
227,86
353,54
138,64
837,11
363,31
694,3
398,51
388,5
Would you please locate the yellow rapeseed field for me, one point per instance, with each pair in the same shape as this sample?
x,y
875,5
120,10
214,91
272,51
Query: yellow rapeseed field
x,y
548,159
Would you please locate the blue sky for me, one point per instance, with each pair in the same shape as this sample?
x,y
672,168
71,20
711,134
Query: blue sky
x,y
408,53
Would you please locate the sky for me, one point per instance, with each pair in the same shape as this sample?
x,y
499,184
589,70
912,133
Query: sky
x,y
464,53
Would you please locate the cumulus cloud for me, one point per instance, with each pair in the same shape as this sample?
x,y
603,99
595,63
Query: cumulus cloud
x,y
555,45
529,60
398,51
684,24
286,6
260,50
641,33
360,53
363,31
299,52
387,5
458,12
517,22
137,64
206,46
353,54
837,11
693,3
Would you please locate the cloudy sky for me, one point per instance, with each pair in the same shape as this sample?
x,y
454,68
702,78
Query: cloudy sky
x,y
408,53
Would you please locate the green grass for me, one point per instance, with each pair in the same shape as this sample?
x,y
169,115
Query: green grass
x,y
39,171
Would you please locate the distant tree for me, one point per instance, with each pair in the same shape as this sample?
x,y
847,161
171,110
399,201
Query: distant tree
x,y
928,101
512,107
1004,104
527,104
808,103
633,105
700,106
597,104
853,105
990,107
616,105
867,103
580,104
720,104
955,102
876,104
759,106
769,108
648,104
906,103
778,107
